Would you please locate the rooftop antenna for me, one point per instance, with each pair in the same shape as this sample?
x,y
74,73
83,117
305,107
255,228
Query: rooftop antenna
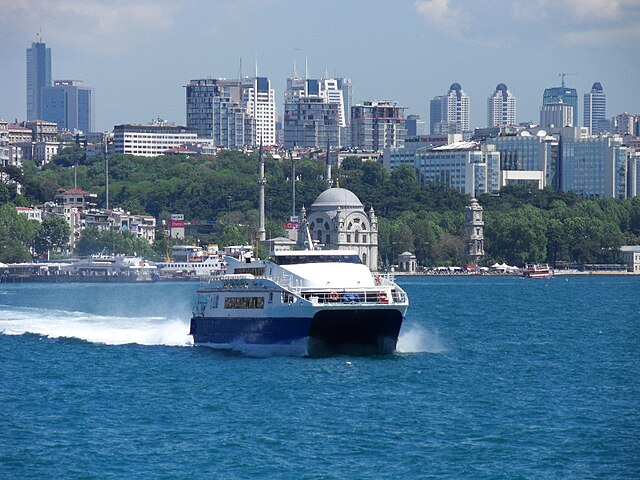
x,y
325,74
240,70
294,74
256,61
564,75
262,235
306,70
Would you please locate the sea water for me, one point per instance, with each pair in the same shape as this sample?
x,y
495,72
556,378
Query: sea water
x,y
495,377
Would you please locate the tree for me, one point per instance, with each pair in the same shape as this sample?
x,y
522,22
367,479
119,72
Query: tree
x,y
53,233
112,242
16,235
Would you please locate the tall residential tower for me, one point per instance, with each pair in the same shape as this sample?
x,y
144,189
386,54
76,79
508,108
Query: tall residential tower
x,y
501,107
450,113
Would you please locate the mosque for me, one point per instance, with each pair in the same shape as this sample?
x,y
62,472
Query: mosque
x,y
337,220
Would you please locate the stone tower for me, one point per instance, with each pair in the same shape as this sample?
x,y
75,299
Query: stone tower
x,y
473,232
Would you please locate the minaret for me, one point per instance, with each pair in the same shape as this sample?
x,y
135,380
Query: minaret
x,y
262,181
473,232
327,167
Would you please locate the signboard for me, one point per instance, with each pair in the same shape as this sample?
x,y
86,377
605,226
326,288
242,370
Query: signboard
x,y
291,225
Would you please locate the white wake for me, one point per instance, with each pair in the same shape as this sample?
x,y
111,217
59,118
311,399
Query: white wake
x,y
110,330
417,339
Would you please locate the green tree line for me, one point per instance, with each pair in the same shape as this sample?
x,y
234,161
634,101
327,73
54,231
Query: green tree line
x,y
521,224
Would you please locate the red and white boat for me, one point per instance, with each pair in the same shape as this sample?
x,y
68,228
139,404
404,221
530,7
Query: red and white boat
x,y
541,270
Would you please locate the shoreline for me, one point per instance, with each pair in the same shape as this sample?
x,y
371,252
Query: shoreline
x,y
559,273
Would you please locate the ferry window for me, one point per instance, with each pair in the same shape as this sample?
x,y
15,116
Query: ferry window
x,y
300,259
348,238
364,238
320,235
244,302
328,237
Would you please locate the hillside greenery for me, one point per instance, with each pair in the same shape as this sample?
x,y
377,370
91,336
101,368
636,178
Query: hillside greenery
x,y
521,225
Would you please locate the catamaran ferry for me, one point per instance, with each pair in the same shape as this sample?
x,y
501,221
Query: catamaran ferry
x,y
318,302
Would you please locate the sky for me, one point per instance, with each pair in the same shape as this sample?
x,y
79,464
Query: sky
x,y
139,54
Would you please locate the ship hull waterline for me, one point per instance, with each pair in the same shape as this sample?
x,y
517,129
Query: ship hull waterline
x,y
328,332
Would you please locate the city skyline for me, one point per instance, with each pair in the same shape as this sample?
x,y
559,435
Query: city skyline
x,y
139,55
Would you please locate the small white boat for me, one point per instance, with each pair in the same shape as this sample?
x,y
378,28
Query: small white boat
x,y
537,271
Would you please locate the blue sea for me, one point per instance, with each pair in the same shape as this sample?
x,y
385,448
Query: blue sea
x,y
496,377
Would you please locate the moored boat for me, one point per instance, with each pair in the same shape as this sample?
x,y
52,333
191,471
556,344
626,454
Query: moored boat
x,y
537,271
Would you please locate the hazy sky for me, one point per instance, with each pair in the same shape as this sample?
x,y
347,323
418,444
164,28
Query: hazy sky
x,y
138,54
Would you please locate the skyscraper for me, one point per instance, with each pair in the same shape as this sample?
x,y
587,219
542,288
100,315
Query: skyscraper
x,y
565,95
234,113
38,77
377,125
450,113
313,113
501,107
70,104
595,110
259,101
201,97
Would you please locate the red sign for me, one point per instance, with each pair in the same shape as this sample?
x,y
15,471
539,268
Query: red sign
x,y
176,223
291,225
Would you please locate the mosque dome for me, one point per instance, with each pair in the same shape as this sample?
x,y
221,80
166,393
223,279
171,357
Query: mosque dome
x,y
333,198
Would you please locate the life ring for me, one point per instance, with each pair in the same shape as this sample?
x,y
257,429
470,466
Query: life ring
x,y
382,297
333,297
377,279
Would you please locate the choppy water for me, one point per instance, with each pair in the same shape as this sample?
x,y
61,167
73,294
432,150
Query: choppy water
x,y
495,378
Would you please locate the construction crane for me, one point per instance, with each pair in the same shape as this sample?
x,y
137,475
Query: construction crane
x,y
564,75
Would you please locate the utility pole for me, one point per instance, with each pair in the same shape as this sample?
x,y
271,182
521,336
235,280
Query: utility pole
x,y
262,234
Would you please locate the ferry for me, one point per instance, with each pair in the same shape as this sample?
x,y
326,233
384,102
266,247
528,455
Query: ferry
x,y
537,271
211,266
317,302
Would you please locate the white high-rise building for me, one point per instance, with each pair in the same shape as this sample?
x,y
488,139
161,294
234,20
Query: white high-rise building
x,y
595,110
259,99
450,112
501,107
330,90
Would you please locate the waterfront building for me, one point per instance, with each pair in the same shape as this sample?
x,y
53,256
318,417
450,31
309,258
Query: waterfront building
x,y
631,257
38,77
450,113
558,114
407,262
469,167
70,105
566,96
501,107
152,139
473,233
595,110
377,125
337,220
